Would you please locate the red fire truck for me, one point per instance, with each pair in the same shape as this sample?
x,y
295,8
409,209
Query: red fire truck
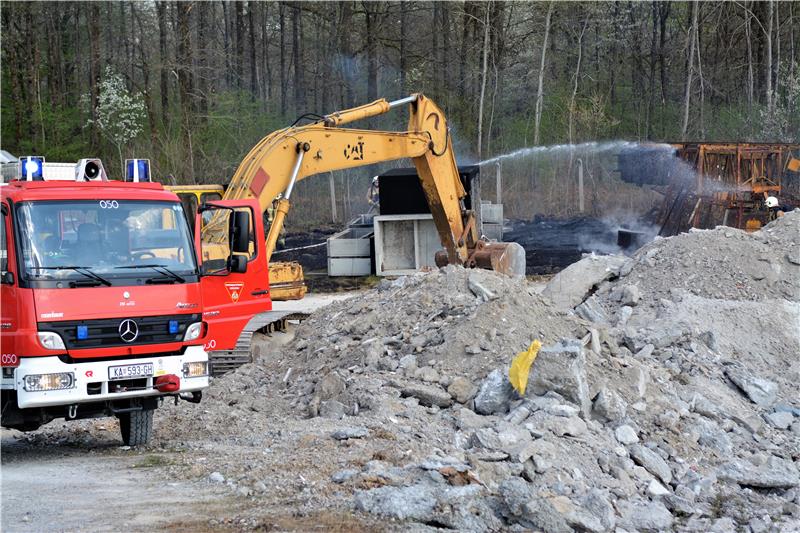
x,y
108,307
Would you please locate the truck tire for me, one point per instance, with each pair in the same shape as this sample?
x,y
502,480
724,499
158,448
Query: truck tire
x,y
136,426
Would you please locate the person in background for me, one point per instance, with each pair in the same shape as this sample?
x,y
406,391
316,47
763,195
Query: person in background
x,y
776,210
373,196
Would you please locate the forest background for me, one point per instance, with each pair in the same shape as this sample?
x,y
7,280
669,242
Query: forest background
x,y
194,85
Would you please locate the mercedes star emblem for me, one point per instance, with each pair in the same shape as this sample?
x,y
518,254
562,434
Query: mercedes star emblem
x,y
128,330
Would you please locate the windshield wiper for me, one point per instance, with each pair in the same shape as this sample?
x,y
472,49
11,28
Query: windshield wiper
x,y
86,271
161,269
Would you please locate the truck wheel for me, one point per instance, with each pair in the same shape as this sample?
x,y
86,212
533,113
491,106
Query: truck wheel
x,y
136,426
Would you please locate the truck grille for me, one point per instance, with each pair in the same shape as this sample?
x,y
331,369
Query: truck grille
x,y
105,332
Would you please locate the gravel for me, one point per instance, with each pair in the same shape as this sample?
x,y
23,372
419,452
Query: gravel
x,y
667,403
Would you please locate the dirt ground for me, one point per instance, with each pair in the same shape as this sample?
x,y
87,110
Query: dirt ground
x,y
78,477
99,486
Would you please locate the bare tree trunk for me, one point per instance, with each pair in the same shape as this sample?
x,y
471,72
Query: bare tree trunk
x,y
12,50
792,42
444,65
346,51
185,83
750,74
652,78
265,35
663,9
282,23
576,78
202,73
614,54
700,79
436,51
778,47
540,88
253,65
372,13
299,72
690,44
484,74
403,38
495,88
238,44
226,43
161,8
94,66
769,55
148,97
331,180
462,59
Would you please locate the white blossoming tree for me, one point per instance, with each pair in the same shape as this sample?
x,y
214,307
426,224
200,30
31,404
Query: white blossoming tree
x,y
119,113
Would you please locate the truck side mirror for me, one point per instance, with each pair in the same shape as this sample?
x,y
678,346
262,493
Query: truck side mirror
x,y
7,278
240,232
237,264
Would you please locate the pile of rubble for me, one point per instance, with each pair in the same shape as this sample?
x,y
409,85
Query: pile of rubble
x,y
664,396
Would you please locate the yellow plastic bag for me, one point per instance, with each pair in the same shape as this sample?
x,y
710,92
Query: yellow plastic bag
x,y
521,366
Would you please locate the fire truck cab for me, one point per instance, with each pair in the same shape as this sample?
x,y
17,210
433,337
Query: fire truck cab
x,y
107,304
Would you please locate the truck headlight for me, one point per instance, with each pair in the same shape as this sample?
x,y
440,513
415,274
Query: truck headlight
x,y
193,332
44,382
195,370
51,341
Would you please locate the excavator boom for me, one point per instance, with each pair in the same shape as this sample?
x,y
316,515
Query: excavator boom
x,y
275,165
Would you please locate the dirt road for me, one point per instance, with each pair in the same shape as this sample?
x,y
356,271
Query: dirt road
x,y
71,484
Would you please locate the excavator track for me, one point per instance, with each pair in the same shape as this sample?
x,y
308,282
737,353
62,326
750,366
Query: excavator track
x,y
225,361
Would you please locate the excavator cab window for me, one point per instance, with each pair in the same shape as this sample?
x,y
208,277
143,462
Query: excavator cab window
x,y
210,197
189,204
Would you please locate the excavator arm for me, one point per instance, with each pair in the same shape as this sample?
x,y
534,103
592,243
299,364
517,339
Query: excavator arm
x,y
275,165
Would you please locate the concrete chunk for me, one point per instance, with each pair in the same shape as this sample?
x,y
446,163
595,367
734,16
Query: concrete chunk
x,y
495,394
428,395
652,462
561,368
775,474
570,287
761,392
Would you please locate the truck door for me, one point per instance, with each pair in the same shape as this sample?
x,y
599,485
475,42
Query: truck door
x,y
9,317
234,282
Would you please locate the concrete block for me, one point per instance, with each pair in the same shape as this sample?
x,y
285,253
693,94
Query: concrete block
x,y
404,244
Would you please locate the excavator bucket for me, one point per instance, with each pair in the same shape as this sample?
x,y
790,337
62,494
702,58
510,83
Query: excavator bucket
x,y
504,257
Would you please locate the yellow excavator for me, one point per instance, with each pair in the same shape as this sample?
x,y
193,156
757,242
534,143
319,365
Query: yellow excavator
x,y
272,168
275,165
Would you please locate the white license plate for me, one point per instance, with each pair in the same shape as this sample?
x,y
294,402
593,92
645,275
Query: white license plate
x,y
142,370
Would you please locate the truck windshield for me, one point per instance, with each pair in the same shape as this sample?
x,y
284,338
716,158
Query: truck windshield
x,y
104,239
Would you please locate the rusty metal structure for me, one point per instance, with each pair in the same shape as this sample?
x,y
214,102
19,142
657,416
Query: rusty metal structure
x,y
710,184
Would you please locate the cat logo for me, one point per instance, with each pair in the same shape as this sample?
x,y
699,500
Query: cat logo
x,y
355,152
234,290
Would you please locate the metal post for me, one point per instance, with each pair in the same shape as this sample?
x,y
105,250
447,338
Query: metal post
x,y
333,197
499,178
580,185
